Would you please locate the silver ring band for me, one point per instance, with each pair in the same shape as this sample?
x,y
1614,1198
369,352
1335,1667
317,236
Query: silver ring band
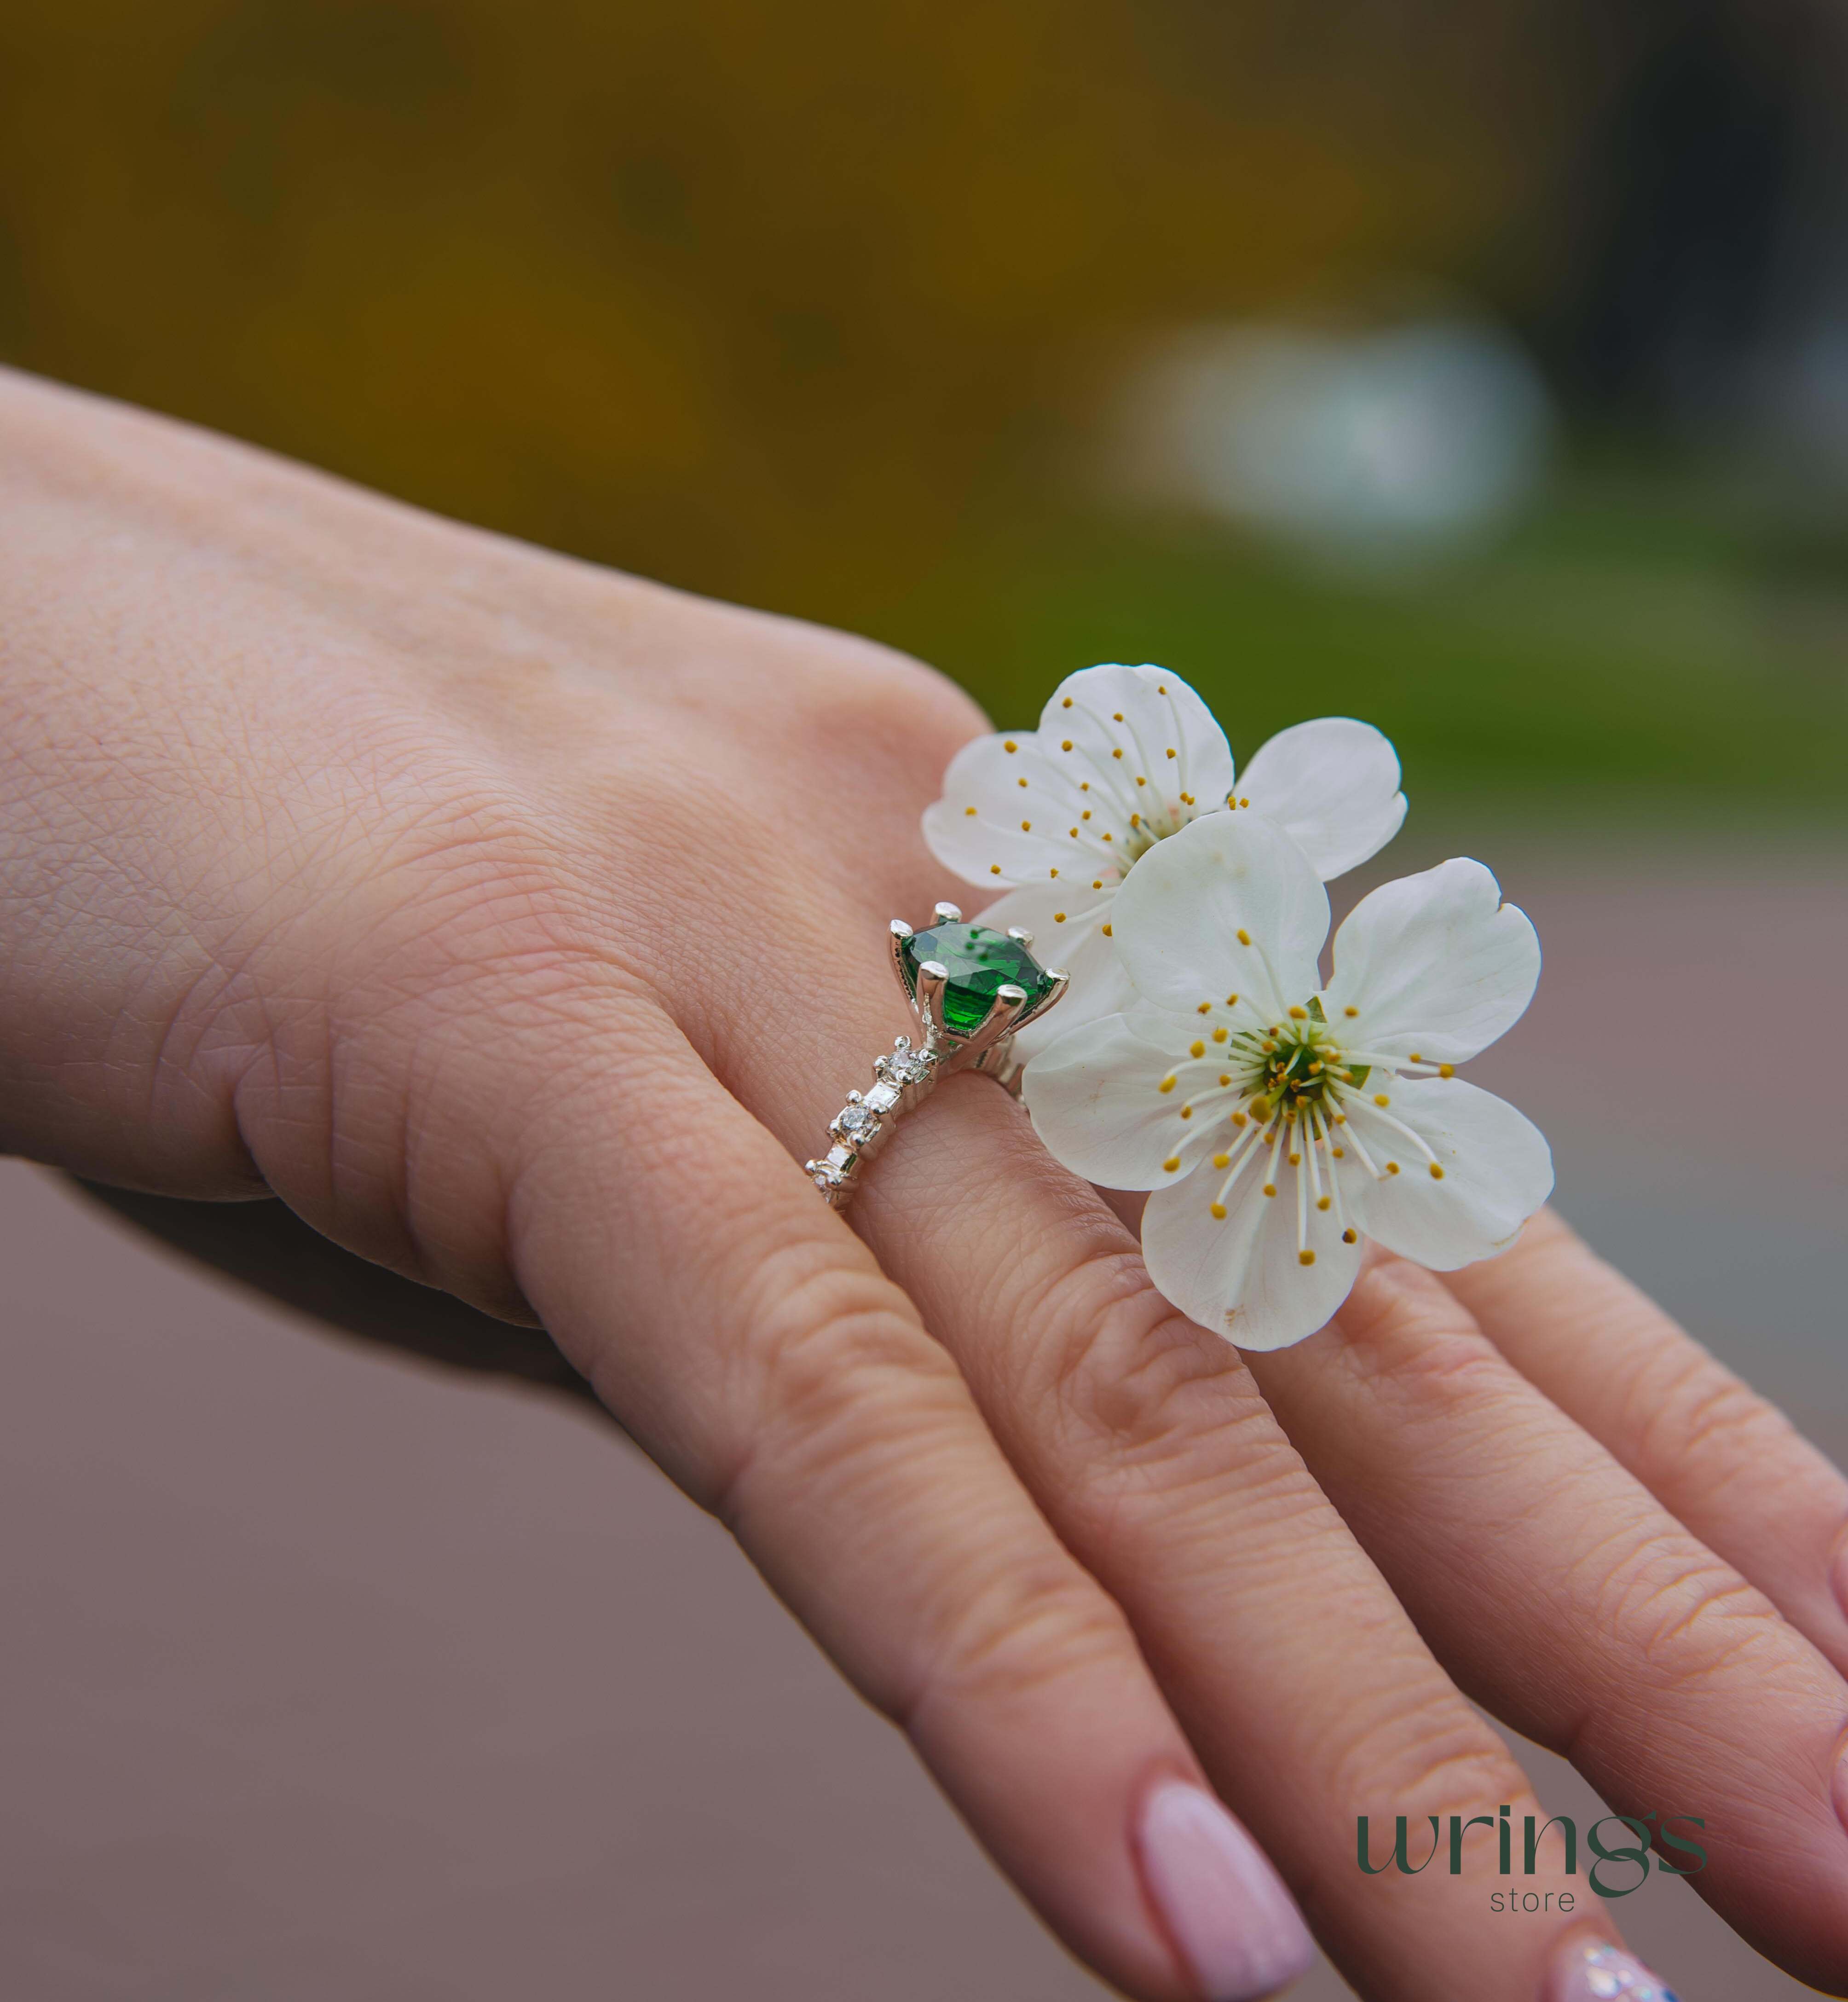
x,y
965,1019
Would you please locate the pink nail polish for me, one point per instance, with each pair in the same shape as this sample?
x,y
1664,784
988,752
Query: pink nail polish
x,y
1592,1970
1226,1907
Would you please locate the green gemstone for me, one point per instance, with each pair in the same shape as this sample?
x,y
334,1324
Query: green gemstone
x,y
979,962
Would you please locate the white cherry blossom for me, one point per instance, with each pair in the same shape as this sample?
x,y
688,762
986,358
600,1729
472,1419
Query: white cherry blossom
x,y
1279,1120
1124,757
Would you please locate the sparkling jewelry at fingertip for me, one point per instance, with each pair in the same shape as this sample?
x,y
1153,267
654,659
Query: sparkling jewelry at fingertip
x,y
1228,1910
1587,1969
969,988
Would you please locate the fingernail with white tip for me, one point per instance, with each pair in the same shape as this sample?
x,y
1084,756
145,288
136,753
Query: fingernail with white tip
x,y
1593,1970
1226,1907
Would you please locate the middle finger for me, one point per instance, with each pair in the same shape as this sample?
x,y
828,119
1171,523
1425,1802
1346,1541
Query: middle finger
x,y
1304,1686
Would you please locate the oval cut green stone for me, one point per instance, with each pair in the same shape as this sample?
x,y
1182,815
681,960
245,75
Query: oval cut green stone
x,y
980,963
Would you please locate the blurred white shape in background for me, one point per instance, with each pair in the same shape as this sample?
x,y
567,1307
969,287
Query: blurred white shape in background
x,y
1384,448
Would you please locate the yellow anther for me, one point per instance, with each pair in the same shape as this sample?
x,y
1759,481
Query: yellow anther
x,y
1086,815
1437,1173
1296,1014
1205,1008
970,811
1116,716
1296,1160
1066,703
1270,1189
1117,753
1244,802
1187,1112
1066,745
1232,1000
1244,936
1106,834
1219,1035
1446,1070
1225,1077
1058,917
1415,1058
1171,1163
1026,827
1052,872
1392,1168
1010,745
1322,1202
1306,1258
1380,1098
1219,1212
1222,1160
1097,881
1084,784
1173,753
1020,783
994,868
1350,1012
1141,780
1341,1153
1106,930
1350,1237
1136,820
1167,1083
1196,1049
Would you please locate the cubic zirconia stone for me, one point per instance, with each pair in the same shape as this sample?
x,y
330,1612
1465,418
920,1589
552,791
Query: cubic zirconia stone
x,y
909,1068
882,1098
979,962
838,1157
857,1122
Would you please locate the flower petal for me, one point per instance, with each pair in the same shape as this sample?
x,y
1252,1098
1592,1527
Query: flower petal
x,y
1095,1097
1242,1276
1228,905
1099,985
1166,733
1333,786
990,828
1435,963
1498,1171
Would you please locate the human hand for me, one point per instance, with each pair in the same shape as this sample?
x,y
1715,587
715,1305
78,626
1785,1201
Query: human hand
x,y
520,925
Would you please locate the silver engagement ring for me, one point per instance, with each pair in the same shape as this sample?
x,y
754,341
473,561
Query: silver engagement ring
x,y
969,988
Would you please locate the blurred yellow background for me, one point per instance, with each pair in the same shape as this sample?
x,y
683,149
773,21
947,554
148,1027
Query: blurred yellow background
x,y
832,309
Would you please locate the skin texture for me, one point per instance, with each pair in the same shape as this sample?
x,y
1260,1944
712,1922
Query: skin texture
x,y
520,925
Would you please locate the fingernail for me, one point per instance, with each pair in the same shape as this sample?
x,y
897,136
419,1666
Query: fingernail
x,y
1227,1907
1593,1970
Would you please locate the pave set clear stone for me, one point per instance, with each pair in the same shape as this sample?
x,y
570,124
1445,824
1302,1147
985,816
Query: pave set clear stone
x,y
902,1078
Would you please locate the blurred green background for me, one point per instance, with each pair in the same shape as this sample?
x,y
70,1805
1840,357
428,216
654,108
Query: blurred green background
x,y
850,312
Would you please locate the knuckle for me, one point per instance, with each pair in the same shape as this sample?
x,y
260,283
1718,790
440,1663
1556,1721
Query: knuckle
x,y
1128,1378
1411,1340
1024,1629
1684,1616
1709,1418
821,1342
1421,1752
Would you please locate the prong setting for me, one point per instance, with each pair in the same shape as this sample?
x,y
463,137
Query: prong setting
x,y
912,1071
